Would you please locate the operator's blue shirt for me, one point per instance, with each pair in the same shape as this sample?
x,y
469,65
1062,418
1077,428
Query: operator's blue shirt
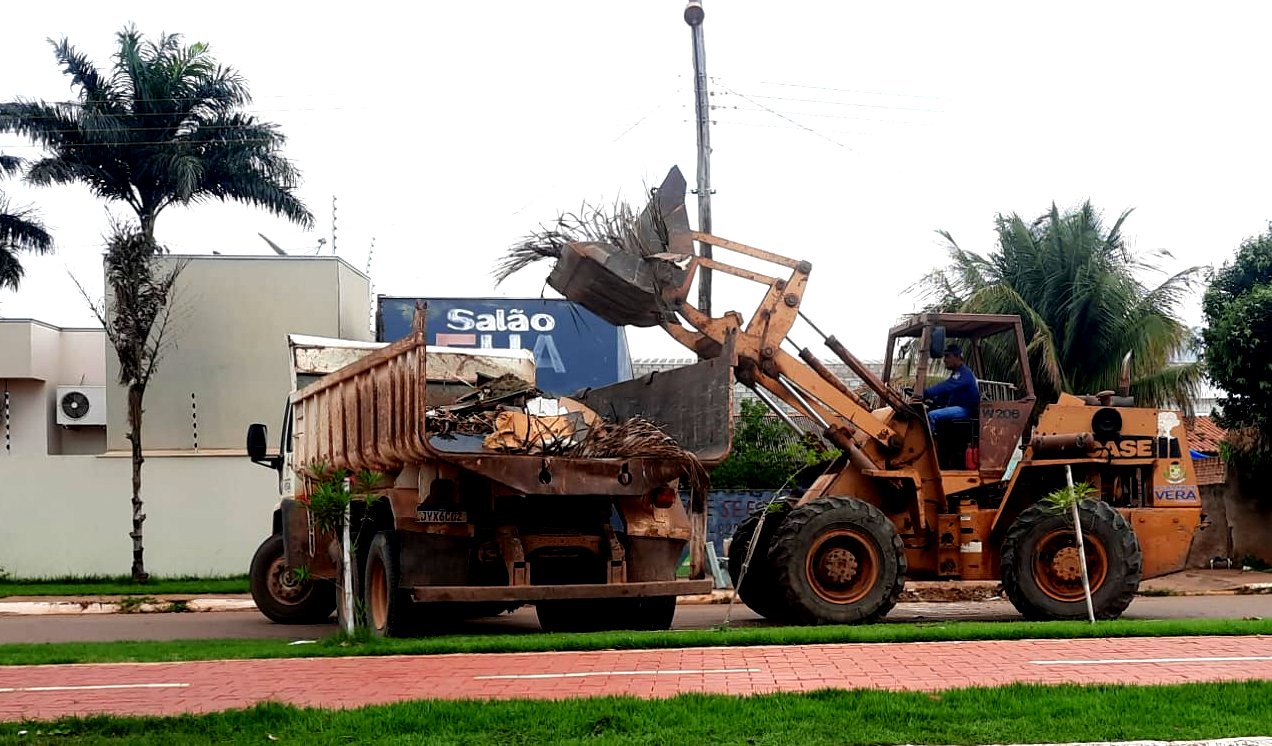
x,y
959,390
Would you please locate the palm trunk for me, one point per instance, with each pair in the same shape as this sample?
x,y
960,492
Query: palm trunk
x,y
147,220
135,394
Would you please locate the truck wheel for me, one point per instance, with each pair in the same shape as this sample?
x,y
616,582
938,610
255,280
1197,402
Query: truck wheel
x,y
599,615
838,560
653,613
387,608
574,616
1041,568
759,590
281,595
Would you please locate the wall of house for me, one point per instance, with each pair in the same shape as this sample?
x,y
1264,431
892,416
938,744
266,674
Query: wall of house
x,y
70,515
228,367
1239,522
35,359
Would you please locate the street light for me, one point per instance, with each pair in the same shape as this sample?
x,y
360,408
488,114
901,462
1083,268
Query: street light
x,y
694,16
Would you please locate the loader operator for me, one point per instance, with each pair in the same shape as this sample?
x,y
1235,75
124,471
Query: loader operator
x,y
957,397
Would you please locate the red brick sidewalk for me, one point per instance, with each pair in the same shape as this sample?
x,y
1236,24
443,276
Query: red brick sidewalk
x,y
166,688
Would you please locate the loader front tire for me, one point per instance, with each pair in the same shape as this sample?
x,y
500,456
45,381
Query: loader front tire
x,y
838,560
281,594
758,589
388,609
1041,568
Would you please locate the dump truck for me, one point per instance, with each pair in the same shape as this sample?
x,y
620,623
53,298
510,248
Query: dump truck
x,y
900,501
454,527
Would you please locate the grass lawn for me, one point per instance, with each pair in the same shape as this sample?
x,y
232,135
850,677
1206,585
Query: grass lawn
x,y
179,650
121,586
1012,714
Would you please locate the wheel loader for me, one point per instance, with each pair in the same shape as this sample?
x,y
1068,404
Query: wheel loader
x,y
966,502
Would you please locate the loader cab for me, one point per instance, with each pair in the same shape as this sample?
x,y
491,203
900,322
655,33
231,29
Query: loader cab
x,y
994,348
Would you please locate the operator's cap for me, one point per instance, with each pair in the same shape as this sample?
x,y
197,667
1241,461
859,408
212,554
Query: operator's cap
x,y
954,350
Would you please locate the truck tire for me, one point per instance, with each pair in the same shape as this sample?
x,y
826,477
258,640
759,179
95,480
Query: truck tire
x,y
654,613
1040,564
758,590
387,607
600,615
838,560
280,595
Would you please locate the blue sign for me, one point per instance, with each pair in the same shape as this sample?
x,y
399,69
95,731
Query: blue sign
x,y
574,349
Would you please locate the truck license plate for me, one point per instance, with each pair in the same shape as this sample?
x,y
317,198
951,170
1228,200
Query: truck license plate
x,y
441,516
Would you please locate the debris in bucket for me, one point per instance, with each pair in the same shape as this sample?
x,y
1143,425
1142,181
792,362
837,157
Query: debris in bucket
x,y
511,416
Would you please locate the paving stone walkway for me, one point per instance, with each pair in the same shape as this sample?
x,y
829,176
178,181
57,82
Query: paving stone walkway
x,y
41,692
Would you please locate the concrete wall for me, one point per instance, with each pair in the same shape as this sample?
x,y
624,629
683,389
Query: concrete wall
x,y
70,515
1240,522
35,359
229,365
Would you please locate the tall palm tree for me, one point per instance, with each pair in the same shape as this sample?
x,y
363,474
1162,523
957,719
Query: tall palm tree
x,y
165,126
19,231
1076,287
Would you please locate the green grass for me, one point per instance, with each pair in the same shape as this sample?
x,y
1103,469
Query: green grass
x,y
181,650
100,585
1011,714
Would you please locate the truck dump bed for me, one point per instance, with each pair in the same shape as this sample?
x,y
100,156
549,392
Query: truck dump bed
x,y
373,411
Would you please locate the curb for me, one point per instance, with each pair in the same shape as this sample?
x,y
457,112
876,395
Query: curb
x,y
918,594
75,608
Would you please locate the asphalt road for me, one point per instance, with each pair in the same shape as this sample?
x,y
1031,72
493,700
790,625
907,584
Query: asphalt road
x,y
250,624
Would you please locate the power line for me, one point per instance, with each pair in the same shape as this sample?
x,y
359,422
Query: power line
x,y
780,115
850,90
844,103
821,116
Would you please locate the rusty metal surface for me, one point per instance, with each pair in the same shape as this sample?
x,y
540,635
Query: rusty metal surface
x,y
1165,535
1001,425
692,404
1061,444
622,287
530,593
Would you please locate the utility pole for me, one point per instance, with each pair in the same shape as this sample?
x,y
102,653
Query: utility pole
x,y
693,16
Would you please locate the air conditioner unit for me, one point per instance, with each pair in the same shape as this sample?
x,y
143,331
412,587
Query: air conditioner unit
x,y
80,406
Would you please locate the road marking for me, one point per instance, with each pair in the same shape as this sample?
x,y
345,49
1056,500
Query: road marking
x,y
1115,661
584,674
87,687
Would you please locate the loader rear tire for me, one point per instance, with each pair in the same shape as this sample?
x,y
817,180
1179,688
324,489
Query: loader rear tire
x,y
838,560
279,592
758,589
388,608
1040,564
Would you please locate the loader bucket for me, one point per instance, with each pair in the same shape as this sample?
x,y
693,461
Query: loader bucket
x,y
626,288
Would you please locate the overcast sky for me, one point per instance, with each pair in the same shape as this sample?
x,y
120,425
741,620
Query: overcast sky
x,y
843,133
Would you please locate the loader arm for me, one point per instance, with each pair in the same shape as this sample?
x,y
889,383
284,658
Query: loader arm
x,y
803,383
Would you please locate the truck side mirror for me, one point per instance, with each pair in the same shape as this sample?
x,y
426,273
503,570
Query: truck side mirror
x,y
936,349
257,438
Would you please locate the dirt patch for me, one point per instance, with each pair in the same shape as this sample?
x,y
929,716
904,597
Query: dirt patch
x,y
950,592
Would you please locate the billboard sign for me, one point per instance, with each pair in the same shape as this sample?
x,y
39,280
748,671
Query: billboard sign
x,y
574,348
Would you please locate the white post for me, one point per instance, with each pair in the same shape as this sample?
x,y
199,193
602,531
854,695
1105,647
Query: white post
x,y
346,561
1077,529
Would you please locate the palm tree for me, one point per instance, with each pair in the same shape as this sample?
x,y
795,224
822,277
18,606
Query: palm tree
x,y
19,231
1075,286
166,126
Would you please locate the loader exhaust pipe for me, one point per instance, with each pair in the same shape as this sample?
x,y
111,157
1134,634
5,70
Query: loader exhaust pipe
x,y
1064,444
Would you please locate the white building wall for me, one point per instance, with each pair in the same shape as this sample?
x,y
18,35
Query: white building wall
x,y
66,514
70,515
